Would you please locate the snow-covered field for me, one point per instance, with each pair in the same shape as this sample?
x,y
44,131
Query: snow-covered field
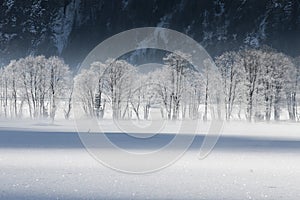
x,y
40,160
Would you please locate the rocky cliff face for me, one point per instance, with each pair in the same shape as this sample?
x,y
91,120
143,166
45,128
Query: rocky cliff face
x,y
71,28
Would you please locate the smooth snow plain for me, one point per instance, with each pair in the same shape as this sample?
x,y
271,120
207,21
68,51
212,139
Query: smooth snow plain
x,y
41,160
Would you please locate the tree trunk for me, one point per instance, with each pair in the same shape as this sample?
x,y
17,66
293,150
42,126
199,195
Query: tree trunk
x,y
205,104
276,106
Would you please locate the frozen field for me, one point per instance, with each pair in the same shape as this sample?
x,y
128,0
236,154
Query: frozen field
x,y
250,161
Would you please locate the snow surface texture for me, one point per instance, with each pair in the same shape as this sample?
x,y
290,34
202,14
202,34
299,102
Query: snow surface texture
x,y
40,160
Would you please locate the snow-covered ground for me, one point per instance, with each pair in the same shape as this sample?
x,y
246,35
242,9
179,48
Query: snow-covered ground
x,y
40,160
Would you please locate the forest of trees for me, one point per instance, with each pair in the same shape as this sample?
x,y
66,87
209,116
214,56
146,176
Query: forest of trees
x,y
249,84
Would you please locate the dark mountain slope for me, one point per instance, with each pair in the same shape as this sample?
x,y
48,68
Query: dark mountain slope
x,y
71,28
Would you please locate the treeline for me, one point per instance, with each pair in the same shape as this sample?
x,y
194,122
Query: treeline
x,y
261,82
34,87
252,84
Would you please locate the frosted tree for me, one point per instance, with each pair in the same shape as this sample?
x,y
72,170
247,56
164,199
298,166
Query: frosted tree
x,y
119,75
59,79
297,86
191,94
143,94
149,95
34,75
291,87
267,75
99,68
163,90
34,80
194,94
4,92
90,89
211,89
12,85
268,80
275,77
251,63
231,74
85,87
69,99
136,94
105,81
178,64
25,66
207,81
282,68
43,84
28,72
